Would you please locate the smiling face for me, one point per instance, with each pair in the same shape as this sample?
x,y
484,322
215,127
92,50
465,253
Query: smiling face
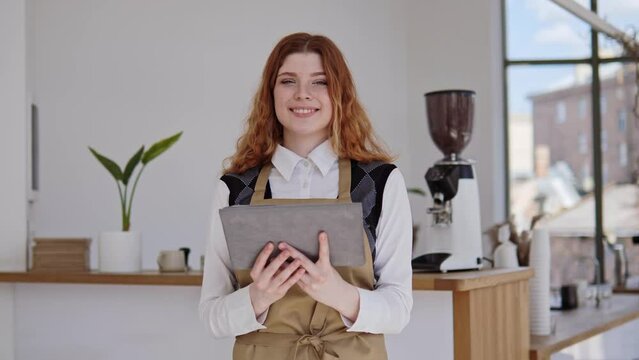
x,y
302,103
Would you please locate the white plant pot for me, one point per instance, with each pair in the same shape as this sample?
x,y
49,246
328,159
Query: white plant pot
x,y
120,251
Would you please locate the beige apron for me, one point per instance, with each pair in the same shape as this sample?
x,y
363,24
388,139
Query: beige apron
x,y
298,327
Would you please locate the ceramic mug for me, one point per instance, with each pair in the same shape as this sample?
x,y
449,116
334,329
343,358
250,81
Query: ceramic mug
x,y
171,261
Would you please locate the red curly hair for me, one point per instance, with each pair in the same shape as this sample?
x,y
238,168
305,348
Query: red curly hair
x,y
351,132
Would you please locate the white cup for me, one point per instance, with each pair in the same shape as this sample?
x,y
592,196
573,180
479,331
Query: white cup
x,y
171,261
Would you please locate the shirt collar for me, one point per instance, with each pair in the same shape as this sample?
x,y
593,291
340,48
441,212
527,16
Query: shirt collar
x,y
285,160
323,157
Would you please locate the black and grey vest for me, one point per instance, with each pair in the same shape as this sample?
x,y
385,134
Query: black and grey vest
x,y
367,187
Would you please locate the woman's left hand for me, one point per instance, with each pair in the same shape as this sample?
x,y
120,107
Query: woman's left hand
x,y
323,283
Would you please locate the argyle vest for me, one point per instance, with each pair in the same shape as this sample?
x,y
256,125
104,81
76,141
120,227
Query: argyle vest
x,y
367,187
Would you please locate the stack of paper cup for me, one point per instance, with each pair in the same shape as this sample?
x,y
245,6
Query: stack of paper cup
x,y
540,283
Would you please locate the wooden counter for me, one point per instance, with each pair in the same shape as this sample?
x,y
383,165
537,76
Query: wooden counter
x,y
150,277
469,280
573,326
632,286
490,311
453,281
490,307
625,290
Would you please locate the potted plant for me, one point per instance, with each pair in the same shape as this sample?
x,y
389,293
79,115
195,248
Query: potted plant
x,y
121,251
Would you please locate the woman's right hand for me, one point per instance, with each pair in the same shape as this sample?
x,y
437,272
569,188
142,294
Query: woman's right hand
x,y
271,281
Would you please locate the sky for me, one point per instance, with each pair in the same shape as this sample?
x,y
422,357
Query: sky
x,y
539,29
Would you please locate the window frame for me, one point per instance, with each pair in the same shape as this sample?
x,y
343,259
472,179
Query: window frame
x,y
595,61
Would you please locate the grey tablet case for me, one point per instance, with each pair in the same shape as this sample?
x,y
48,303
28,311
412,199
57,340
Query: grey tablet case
x,y
249,228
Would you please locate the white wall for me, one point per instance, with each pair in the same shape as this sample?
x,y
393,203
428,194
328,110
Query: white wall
x,y
113,322
117,74
12,160
13,200
7,321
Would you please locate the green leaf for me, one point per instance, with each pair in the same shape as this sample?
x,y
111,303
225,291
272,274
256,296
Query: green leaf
x,y
159,147
109,164
416,190
130,166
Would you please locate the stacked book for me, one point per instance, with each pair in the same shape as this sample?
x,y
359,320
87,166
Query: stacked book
x,y
61,254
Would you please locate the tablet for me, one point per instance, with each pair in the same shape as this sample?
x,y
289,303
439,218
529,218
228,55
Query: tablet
x,y
249,228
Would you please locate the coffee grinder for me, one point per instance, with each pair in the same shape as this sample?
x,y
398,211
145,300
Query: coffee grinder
x,y
453,237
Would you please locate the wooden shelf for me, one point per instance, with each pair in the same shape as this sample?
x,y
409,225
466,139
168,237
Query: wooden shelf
x,y
632,286
573,326
469,280
626,290
150,277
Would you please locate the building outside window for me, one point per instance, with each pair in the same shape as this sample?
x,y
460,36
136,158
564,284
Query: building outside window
x,y
583,143
623,154
561,112
586,177
567,85
622,119
583,108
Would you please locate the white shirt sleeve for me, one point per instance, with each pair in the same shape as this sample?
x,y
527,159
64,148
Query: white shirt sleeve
x,y
224,309
386,309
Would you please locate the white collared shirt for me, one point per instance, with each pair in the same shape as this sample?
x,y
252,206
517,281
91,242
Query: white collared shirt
x,y
386,309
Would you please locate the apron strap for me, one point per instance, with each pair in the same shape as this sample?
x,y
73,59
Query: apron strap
x,y
344,182
260,185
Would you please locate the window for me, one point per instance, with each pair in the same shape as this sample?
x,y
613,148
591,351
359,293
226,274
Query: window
x,y
620,13
585,171
555,181
622,119
586,179
537,29
583,144
583,108
623,154
561,112
550,67
619,92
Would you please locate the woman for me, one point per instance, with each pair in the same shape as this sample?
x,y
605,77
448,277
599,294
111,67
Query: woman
x,y
309,140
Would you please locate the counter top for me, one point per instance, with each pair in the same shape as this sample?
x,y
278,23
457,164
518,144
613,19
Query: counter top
x,y
573,326
632,286
469,280
146,277
452,281
626,290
